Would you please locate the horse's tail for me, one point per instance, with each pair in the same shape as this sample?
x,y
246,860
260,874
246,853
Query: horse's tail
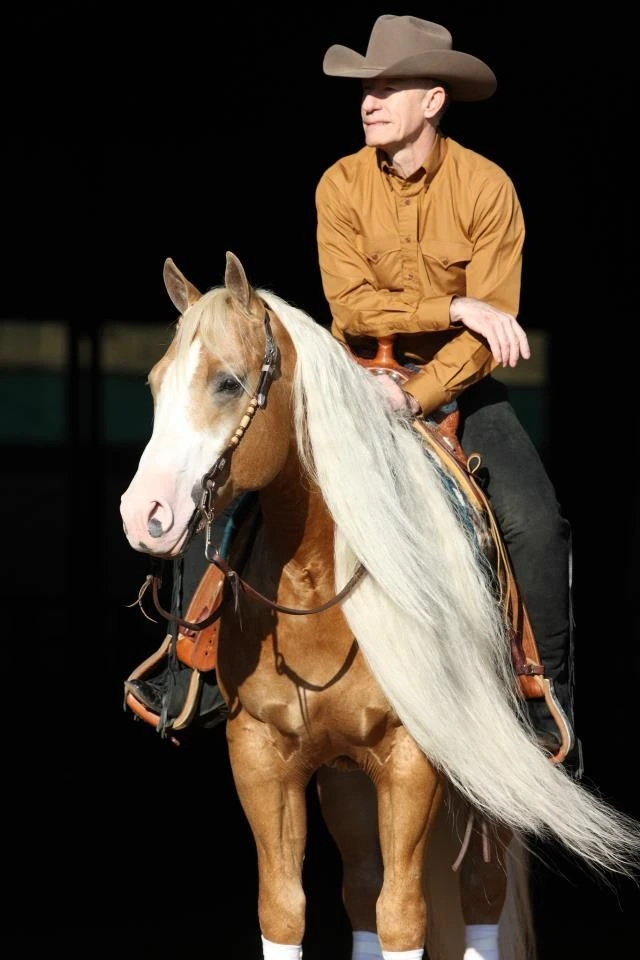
x,y
446,926
453,703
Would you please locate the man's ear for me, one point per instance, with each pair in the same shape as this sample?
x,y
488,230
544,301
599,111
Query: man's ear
x,y
434,100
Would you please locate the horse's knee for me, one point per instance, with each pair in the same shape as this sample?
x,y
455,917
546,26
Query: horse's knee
x,y
281,911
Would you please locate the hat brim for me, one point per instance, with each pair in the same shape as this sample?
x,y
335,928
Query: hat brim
x,y
466,77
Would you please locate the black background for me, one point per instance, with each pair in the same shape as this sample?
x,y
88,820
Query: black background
x,y
134,133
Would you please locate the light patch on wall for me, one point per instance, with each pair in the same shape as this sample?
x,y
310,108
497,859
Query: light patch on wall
x,y
39,345
133,349
42,345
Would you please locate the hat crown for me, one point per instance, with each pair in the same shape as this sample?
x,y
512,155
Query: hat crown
x,y
394,37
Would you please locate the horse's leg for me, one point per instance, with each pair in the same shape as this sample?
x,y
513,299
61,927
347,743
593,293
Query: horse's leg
x,y
467,903
494,866
271,788
350,811
409,793
483,888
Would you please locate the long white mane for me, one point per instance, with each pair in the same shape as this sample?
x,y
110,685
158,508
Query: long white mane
x,y
425,616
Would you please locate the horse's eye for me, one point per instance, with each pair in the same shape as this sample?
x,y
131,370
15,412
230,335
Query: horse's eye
x,y
227,385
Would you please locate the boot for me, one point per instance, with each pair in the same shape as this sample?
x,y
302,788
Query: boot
x,y
173,685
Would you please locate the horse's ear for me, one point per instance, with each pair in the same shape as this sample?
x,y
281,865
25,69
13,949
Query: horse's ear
x,y
180,290
235,280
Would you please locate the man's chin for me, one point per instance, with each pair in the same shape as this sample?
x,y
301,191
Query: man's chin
x,y
376,140
378,135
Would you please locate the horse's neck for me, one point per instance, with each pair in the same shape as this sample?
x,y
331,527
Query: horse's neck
x,y
297,528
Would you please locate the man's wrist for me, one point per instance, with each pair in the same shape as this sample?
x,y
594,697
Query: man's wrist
x,y
454,319
412,404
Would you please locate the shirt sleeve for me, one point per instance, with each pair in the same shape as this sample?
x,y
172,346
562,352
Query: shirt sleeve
x,y
495,270
357,307
493,275
461,362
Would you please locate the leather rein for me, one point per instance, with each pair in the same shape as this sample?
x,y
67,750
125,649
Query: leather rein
x,y
204,514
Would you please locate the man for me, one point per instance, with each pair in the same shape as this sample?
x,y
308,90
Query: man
x,y
420,238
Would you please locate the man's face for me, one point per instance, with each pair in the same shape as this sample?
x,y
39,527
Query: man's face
x,y
393,111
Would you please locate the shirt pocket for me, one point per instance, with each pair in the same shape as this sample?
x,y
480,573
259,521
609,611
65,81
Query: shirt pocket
x,y
383,258
445,263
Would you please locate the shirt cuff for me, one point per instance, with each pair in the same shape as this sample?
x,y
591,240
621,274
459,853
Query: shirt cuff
x,y
433,315
427,391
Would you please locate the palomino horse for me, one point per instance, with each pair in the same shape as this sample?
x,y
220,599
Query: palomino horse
x,y
397,686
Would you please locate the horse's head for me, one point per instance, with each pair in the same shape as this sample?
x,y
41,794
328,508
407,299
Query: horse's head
x,y
208,389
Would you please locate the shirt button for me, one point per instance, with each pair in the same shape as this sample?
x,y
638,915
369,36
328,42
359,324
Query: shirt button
x,y
406,202
405,239
408,276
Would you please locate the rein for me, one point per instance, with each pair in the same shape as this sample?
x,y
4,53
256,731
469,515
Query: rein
x,y
205,511
237,584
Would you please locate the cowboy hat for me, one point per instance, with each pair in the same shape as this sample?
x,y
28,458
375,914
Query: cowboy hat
x,y
410,47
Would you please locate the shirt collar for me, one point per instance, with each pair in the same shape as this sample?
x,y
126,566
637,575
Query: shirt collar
x,y
426,171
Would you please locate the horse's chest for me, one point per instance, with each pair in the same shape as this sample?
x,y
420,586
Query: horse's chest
x,y
306,679
326,717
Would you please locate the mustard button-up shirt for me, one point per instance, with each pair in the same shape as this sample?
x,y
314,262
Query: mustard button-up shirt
x,y
394,252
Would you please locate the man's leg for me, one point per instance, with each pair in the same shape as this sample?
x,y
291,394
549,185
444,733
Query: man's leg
x,y
212,709
537,536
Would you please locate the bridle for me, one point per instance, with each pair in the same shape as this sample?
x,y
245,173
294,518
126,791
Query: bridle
x,y
204,513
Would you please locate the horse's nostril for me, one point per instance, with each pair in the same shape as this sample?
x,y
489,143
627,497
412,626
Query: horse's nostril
x,y
155,528
159,519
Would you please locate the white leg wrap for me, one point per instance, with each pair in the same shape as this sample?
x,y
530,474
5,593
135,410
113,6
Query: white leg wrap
x,y
366,946
403,954
280,951
481,941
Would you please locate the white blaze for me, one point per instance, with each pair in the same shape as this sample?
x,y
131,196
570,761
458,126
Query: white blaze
x,y
160,497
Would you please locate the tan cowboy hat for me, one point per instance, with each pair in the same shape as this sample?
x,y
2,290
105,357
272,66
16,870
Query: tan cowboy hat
x,y
409,47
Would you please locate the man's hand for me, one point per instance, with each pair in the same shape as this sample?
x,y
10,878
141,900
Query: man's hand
x,y
506,338
397,399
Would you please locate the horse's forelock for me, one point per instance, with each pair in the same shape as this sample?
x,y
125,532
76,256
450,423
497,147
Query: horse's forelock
x,y
225,333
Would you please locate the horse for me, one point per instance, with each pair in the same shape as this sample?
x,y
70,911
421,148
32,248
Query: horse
x,y
365,644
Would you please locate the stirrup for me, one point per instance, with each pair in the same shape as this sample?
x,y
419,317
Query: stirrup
x,y
146,670
567,736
